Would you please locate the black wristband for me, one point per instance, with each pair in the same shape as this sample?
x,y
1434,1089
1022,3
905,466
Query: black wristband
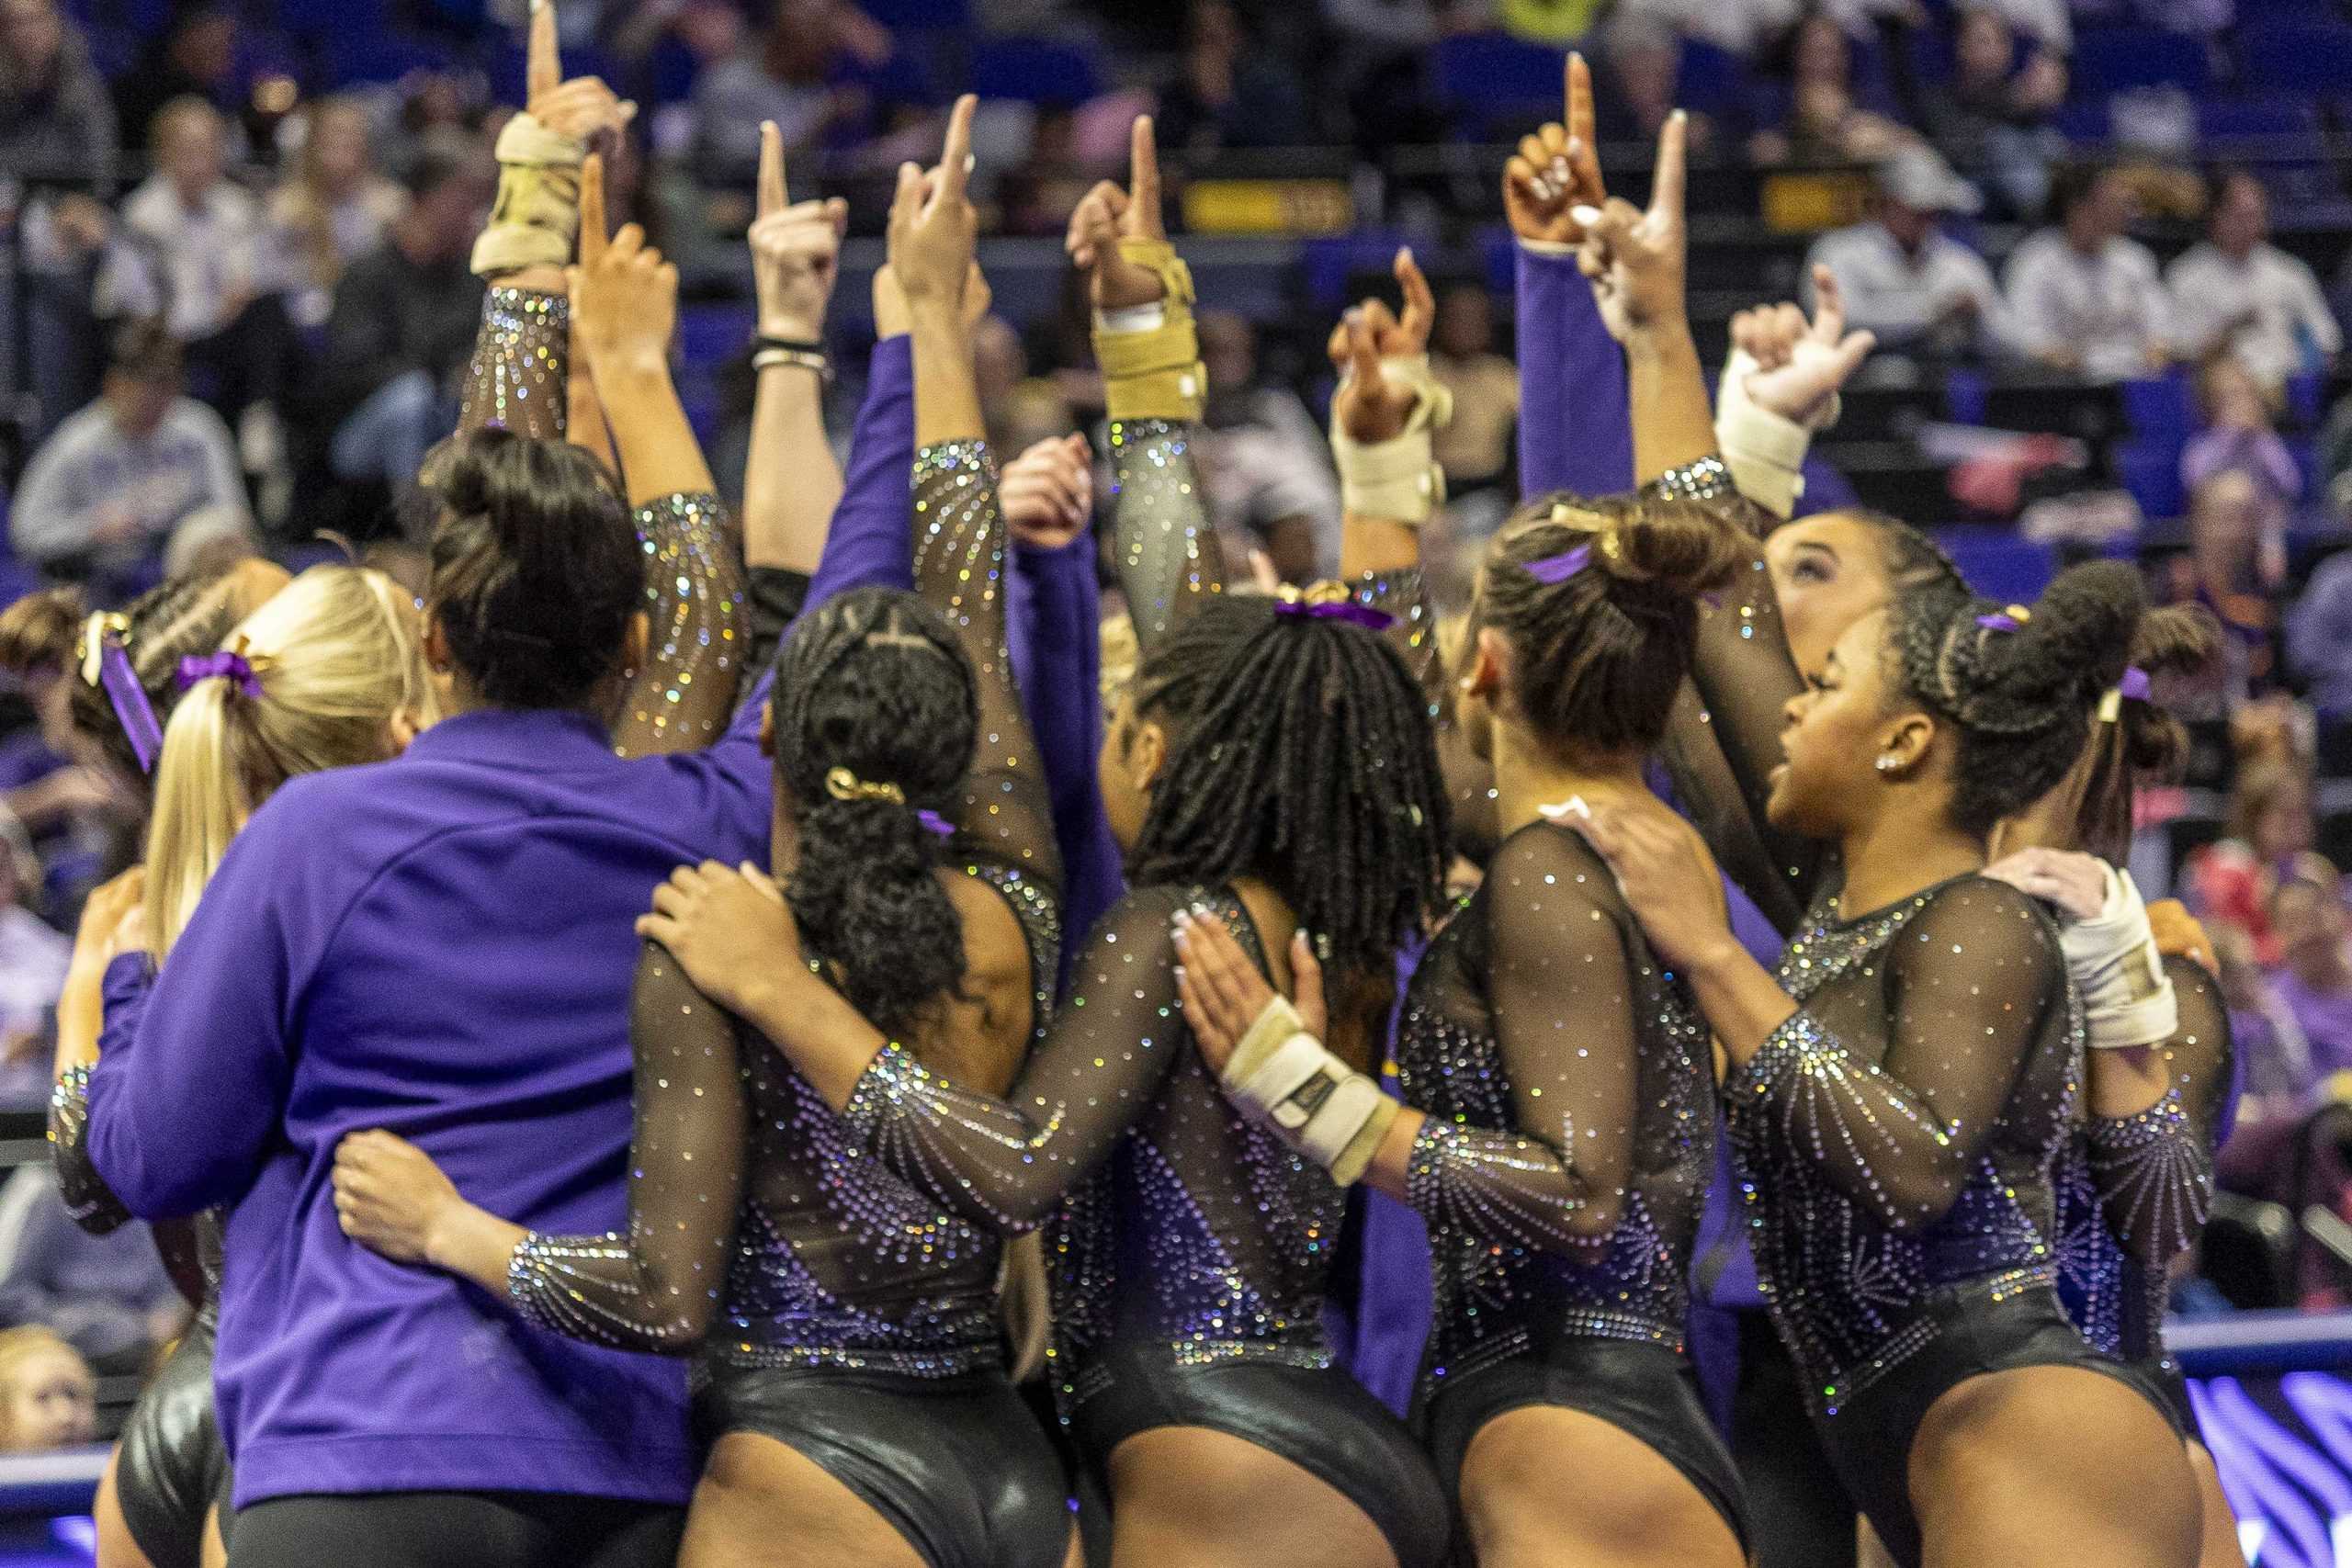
x,y
797,344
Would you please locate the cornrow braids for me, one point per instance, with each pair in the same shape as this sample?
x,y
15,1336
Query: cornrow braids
x,y
875,682
1912,558
2019,688
1302,753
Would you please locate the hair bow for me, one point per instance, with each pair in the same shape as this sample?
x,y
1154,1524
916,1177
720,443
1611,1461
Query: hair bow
x,y
106,663
2007,620
227,663
1332,602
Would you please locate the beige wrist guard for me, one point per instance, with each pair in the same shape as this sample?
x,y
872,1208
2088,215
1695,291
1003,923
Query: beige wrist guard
x,y
1764,451
537,216
1285,1079
1155,373
2127,1000
1398,480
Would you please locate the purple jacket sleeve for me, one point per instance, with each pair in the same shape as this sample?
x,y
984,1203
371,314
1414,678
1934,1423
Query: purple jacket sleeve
x,y
1574,433
1057,659
871,542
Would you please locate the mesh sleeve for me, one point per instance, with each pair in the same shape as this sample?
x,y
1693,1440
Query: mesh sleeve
x,y
1563,1006
88,1199
1168,555
698,638
961,562
517,378
1708,793
2155,1171
656,1288
1973,976
1005,1161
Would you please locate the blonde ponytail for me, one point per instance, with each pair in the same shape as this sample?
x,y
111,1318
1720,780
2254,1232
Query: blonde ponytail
x,y
325,669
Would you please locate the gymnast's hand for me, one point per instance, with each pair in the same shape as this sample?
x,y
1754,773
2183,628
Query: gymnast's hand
x,y
624,296
795,250
2074,882
391,1198
1369,406
1663,870
1224,993
1636,259
583,107
934,228
1108,215
730,931
1048,492
1800,366
1556,171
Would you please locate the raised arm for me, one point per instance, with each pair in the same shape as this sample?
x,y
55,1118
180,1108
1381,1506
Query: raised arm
x,y
1153,384
961,549
1004,1161
793,484
655,1289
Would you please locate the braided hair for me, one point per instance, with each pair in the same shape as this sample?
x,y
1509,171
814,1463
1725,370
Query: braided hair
x,y
1911,557
1301,753
2020,689
873,689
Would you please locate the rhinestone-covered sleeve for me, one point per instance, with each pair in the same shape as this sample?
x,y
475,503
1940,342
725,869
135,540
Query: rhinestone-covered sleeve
x,y
685,692
962,559
2155,1171
1974,975
1403,596
88,1198
656,1287
1168,555
517,380
1004,1161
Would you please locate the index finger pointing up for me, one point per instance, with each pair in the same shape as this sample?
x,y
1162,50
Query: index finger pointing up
x,y
1420,306
1580,99
956,158
593,237
1666,190
771,186
1143,177
543,66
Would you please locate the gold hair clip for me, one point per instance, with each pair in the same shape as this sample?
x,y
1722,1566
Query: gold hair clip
x,y
842,784
101,624
1585,520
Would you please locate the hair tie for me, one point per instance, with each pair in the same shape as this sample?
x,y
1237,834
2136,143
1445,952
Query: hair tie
x,y
2007,620
106,663
934,822
1331,601
843,784
227,663
1553,570
2133,685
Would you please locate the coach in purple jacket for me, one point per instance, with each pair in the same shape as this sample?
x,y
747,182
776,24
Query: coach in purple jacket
x,y
439,945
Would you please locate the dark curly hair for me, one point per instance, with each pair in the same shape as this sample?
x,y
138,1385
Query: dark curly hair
x,y
2144,741
169,622
537,567
1598,656
1912,558
2019,697
875,681
1302,753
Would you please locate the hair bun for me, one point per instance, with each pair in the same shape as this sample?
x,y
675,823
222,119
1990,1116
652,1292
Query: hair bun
x,y
1680,548
2176,640
41,629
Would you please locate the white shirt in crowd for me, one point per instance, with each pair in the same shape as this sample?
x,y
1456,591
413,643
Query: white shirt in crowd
x,y
89,473
2270,299
211,256
2108,311
1908,300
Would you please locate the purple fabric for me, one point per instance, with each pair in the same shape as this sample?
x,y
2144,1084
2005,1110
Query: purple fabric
x,y
1381,1339
1574,432
439,945
871,542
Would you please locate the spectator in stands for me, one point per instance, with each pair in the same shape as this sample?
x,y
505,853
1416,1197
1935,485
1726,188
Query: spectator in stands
x,y
1229,90
1903,278
402,329
824,73
1821,122
2268,842
1379,67
2229,570
48,1397
1264,466
336,207
2319,635
1475,449
2313,978
1995,114
2083,297
2239,438
109,1296
82,276
194,58
102,492
2240,293
34,956
56,121
1638,75
206,238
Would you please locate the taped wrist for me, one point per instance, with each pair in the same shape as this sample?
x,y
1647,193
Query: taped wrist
x,y
2127,997
1154,372
1764,451
537,216
1284,1079
1397,479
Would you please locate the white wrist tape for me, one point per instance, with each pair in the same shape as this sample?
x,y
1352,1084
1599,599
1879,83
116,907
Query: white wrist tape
x,y
1397,479
1285,1079
2127,997
1764,451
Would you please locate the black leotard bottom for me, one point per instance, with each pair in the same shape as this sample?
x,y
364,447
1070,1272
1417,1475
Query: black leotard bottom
x,y
1323,1421
174,1467
440,1529
1645,1390
958,1465
1797,1508
1870,1436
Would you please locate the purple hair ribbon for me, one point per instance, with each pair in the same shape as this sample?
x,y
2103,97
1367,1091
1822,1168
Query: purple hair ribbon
x,y
934,823
2134,683
2007,620
1348,610
232,664
132,708
1553,570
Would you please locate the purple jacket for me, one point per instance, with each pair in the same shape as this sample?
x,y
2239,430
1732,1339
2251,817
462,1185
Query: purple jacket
x,y
439,945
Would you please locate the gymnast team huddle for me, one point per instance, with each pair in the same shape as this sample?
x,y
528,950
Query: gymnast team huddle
x,y
676,1048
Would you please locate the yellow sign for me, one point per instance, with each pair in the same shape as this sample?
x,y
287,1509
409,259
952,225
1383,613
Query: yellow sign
x,y
1269,207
